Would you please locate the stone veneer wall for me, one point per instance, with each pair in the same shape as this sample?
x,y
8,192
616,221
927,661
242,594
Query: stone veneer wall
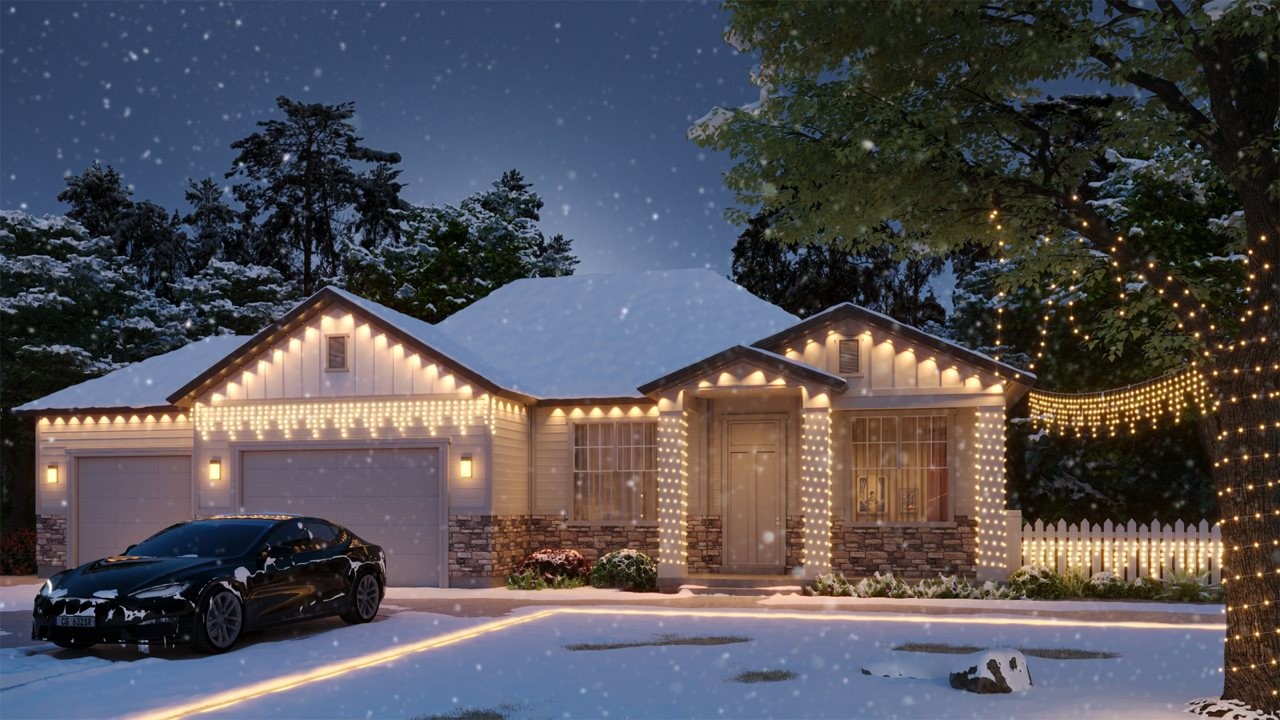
x,y
51,543
795,542
908,551
706,543
592,540
491,546
482,546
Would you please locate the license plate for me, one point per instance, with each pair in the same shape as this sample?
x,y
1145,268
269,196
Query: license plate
x,y
75,621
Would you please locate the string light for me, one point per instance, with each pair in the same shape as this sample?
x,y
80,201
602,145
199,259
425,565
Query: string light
x,y
815,488
1170,396
673,492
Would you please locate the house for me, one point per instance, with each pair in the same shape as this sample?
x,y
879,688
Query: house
x,y
670,411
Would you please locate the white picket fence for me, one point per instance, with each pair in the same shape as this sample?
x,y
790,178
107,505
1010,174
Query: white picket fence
x,y
1130,551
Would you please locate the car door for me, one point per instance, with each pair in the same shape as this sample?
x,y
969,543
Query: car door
x,y
324,566
282,591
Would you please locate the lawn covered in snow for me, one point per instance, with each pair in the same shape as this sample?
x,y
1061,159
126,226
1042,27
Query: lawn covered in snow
x,y
529,670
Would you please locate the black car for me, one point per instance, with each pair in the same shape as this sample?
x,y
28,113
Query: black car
x,y
206,582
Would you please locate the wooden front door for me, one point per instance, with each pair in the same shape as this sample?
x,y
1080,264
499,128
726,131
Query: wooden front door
x,y
754,498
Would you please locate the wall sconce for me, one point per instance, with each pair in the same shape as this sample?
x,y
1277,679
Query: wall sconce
x,y
51,475
465,467
215,470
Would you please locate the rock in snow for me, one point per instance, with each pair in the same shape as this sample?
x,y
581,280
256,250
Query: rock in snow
x,y
1001,670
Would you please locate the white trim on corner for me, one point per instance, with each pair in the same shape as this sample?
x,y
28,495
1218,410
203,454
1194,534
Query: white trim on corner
x,y
237,450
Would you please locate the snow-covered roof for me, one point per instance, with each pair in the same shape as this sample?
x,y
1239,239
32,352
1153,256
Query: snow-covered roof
x,y
754,356
604,335
433,336
144,384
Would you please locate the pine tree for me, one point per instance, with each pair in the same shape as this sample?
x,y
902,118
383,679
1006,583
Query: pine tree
x,y
448,257
214,233
300,184
98,198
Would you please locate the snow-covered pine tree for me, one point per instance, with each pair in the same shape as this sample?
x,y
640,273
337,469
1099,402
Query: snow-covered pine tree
x,y
450,256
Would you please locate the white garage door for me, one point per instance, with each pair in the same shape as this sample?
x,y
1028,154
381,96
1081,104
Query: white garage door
x,y
123,500
390,497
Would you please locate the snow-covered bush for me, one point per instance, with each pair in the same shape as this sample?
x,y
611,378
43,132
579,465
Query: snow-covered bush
x,y
941,587
1038,582
552,567
628,569
830,585
1107,585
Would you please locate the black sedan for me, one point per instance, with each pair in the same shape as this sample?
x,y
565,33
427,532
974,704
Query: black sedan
x,y
206,582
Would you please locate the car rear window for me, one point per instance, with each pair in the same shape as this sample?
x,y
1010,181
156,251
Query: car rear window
x,y
203,539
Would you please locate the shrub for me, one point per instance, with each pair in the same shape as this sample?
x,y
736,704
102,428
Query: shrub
x,y
555,567
830,585
1037,582
628,569
532,580
1107,586
1146,588
941,587
1075,584
1189,587
17,551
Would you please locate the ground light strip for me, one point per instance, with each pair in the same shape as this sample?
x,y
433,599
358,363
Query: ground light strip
x,y
229,698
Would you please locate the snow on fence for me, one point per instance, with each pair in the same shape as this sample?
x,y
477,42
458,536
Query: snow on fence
x,y
1130,551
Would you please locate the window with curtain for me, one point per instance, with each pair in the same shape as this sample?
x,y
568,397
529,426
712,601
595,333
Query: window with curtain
x,y
615,471
900,469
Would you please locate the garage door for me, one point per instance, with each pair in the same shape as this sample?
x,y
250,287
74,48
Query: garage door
x,y
122,500
390,497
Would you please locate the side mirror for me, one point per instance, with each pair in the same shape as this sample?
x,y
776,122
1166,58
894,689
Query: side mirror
x,y
130,548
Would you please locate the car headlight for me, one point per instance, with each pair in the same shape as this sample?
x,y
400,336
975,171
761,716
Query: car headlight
x,y
166,590
46,589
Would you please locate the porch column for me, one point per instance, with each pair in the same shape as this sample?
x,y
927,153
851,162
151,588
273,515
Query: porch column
x,y
673,489
815,485
988,469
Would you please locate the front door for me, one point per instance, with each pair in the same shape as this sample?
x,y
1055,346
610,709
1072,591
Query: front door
x,y
754,533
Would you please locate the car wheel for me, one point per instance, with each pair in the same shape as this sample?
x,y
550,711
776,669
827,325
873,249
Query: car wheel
x,y
366,595
219,622
74,644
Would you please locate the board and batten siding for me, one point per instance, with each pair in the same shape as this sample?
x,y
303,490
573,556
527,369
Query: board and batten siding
x,y
378,365
511,475
890,364
60,439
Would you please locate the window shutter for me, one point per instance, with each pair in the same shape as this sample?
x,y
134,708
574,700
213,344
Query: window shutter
x,y
850,357
337,355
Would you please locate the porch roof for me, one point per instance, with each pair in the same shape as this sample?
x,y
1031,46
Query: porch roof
x,y
759,357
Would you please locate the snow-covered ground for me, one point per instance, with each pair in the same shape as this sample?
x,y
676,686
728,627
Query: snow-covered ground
x,y
525,669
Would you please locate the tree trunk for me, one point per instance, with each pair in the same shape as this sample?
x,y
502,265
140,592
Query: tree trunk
x,y
1247,474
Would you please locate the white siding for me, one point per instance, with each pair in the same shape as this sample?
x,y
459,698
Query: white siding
x,y
58,440
510,459
379,365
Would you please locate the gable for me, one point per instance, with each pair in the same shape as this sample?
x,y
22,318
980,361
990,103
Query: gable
x,y
887,361
378,363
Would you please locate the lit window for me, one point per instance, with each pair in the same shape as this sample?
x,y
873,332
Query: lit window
x,y
336,353
615,471
900,469
850,357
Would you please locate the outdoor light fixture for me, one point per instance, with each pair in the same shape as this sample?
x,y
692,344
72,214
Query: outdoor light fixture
x,y
51,475
215,470
465,467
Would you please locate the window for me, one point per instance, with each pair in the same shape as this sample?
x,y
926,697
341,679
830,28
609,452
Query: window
x,y
615,471
336,353
850,357
900,469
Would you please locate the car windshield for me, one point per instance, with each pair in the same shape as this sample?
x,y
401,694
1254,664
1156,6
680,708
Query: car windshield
x,y
203,539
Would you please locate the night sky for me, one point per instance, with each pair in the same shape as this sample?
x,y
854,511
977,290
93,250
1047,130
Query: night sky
x,y
590,101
